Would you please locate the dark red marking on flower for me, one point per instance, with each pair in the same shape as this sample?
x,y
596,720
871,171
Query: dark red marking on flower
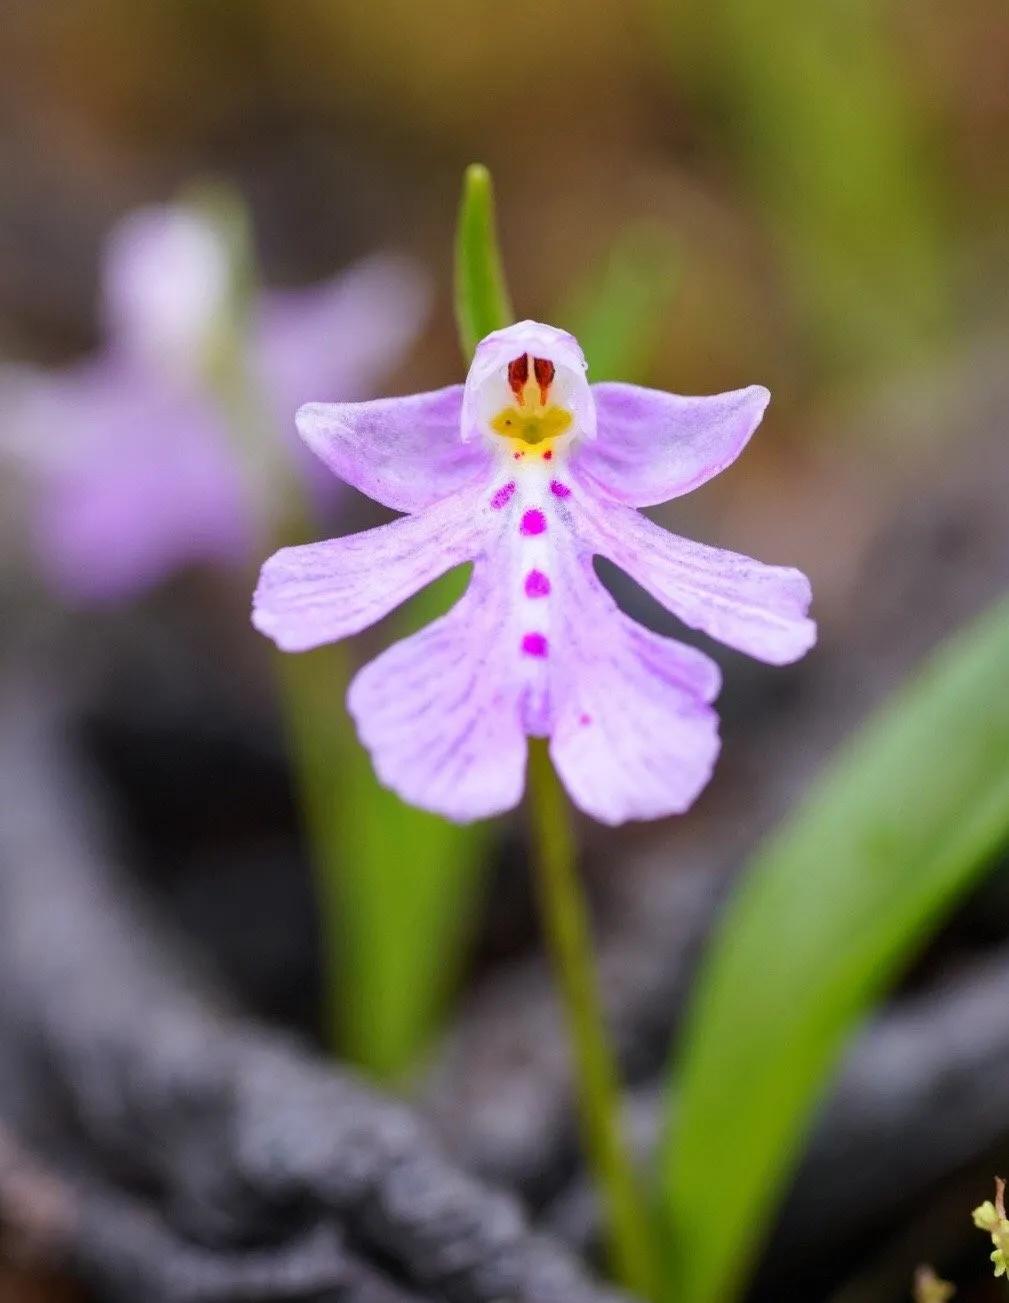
x,y
518,374
559,490
518,455
502,495
585,719
537,584
535,644
533,522
543,370
548,455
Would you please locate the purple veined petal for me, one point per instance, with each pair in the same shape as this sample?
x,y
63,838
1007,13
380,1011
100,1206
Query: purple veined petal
x,y
640,745
439,713
165,284
633,733
136,482
653,446
756,608
404,452
321,592
338,340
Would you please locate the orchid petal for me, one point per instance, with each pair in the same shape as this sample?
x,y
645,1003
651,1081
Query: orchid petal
x,y
404,452
320,592
653,446
756,608
439,717
633,735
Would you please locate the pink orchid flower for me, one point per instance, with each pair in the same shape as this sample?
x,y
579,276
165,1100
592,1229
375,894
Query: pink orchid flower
x,y
529,473
133,468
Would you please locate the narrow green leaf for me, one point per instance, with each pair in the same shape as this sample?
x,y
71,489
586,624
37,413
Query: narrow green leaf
x,y
482,303
617,310
912,811
399,887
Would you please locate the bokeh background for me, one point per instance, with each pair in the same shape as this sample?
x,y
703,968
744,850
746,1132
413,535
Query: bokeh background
x,y
809,196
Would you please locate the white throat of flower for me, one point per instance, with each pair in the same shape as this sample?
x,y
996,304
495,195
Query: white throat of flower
x,y
526,392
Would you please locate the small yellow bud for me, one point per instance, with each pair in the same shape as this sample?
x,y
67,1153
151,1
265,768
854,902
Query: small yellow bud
x,y
991,1217
985,1216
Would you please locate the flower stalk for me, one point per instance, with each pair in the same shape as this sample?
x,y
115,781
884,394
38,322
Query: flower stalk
x,y
568,934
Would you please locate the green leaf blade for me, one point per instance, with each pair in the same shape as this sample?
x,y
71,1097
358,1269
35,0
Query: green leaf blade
x,y
910,814
482,301
400,888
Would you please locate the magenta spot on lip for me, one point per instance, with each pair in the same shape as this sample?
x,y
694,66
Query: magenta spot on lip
x,y
585,719
502,495
559,490
533,522
537,584
534,644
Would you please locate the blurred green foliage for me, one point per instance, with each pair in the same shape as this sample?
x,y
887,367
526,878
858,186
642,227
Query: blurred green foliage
x,y
396,886
911,812
399,888
813,102
617,309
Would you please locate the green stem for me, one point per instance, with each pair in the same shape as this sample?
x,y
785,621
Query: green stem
x,y
567,928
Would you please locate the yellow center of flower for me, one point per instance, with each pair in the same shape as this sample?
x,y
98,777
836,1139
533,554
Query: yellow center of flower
x,y
531,427
532,418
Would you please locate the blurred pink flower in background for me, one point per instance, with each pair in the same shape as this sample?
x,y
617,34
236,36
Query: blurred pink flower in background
x,y
132,459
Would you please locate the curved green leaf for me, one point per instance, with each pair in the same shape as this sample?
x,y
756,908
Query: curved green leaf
x,y
482,302
913,810
397,887
400,888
